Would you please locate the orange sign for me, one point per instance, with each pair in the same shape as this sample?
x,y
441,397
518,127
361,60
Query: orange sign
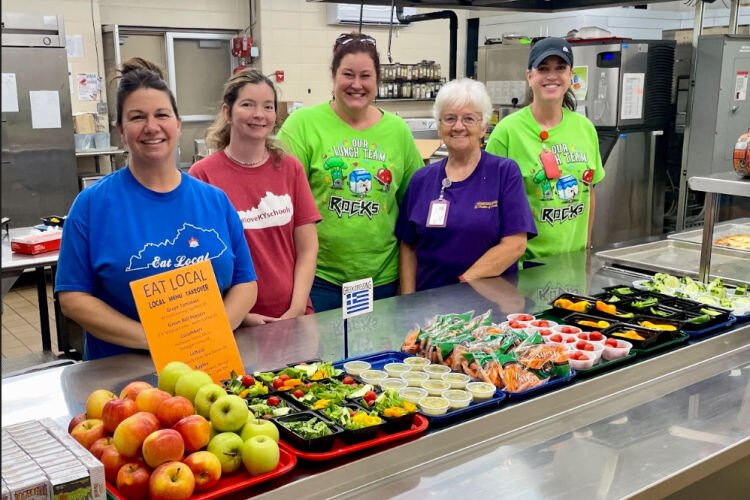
x,y
183,315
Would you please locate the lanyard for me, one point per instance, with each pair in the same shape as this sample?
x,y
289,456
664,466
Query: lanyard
x,y
443,186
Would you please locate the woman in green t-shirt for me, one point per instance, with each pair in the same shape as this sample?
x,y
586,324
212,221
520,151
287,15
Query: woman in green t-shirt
x,y
358,160
557,150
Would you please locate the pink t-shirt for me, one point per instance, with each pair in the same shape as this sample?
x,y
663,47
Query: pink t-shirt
x,y
271,200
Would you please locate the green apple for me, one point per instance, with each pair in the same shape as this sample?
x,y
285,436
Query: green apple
x,y
259,427
227,446
206,396
169,375
229,414
188,384
260,454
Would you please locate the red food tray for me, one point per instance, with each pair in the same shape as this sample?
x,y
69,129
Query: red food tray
x,y
341,447
237,481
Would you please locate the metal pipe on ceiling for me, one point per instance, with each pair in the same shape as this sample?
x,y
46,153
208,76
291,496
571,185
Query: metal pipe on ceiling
x,y
430,16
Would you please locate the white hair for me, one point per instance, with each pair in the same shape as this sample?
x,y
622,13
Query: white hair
x,y
462,92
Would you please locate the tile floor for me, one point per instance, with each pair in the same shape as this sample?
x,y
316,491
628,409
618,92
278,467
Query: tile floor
x,y
21,332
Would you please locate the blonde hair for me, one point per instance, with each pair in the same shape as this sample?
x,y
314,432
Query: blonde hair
x,y
218,134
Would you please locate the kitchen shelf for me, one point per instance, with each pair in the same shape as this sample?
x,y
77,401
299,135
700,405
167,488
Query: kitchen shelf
x,y
722,183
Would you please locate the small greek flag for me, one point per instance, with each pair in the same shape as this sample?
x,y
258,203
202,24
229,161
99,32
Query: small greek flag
x,y
356,297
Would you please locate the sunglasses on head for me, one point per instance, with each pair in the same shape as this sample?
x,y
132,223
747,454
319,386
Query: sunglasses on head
x,y
345,38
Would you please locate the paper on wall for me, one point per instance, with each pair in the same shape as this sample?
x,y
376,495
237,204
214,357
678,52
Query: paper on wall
x,y
632,96
45,108
88,86
10,93
74,45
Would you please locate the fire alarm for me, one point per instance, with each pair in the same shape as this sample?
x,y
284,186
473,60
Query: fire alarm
x,y
279,76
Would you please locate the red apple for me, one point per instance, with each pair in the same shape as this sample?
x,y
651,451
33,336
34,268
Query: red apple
x,y
75,421
195,431
132,481
132,431
171,410
88,431
206,469
115,411
98,447
164,445
171,481
96,401
150,399
132,390
112,461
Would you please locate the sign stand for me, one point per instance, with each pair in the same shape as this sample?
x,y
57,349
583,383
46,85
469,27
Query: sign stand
x,y
356,299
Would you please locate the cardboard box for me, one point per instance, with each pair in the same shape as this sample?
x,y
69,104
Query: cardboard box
x,y
427,147
84,123
285,108
33,244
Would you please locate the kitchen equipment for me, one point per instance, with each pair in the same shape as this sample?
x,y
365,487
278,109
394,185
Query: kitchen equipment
x,y
39,174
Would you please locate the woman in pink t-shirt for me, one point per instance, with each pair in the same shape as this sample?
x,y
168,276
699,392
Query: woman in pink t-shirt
x,y
269,189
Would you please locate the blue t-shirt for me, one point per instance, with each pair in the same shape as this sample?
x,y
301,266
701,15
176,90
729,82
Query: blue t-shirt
x,y
118,231
484,208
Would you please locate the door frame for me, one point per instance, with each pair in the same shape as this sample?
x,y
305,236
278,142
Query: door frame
x,y
169,39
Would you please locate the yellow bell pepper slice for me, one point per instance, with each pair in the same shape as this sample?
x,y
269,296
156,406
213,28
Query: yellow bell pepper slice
x,y
655,326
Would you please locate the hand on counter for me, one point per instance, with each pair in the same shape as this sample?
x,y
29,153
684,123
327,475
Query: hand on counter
x,y
252,319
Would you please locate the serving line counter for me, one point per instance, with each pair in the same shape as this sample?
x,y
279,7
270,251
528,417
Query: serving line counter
x,y
651,427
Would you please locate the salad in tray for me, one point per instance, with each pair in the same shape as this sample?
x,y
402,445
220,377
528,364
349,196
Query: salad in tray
x,y
320,395
269,407
312,428
295,376
716,293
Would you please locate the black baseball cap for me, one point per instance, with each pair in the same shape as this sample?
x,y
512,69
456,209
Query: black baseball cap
x,y
551,46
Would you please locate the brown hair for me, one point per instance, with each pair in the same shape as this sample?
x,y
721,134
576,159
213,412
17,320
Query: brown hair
x,y
218,134
354,43
138,73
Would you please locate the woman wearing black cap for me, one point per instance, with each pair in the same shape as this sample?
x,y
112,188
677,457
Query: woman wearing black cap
x,y
557,150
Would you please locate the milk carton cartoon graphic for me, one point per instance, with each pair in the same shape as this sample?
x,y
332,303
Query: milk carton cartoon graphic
x,y
567,188
360,182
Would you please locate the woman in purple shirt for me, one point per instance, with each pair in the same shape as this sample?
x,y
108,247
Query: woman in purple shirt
x,y
467,216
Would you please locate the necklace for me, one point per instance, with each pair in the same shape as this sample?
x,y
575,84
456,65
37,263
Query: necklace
x,y
260,160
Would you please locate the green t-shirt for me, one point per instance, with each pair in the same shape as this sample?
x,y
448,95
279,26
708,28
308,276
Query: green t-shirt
x,y
358,179
560,206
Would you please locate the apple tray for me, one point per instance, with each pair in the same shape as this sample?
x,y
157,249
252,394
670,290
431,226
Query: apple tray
x,y
234,482
341,447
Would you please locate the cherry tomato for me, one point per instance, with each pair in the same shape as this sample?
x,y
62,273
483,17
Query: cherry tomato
x,y
581,344
611,342
284,377
348,380
247,380
273,401
589,347
277,383
556,337
370,396
298,394
595,336
569,329
515,324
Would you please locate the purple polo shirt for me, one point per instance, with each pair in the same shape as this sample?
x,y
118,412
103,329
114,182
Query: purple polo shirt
x,y
485,207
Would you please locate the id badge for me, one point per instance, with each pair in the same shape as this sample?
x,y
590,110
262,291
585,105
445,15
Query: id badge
x,y
549,162
438,215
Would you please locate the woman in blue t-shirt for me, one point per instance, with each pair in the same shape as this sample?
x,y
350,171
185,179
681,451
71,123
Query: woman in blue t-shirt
x,y
143,220
464,217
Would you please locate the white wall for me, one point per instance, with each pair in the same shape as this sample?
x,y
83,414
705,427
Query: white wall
x,y
297,39
620,21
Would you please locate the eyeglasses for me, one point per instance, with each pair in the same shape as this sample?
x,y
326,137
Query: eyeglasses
x,y
345,38
467,120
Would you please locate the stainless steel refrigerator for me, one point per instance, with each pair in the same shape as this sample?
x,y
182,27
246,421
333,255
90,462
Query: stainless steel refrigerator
x,y
39,173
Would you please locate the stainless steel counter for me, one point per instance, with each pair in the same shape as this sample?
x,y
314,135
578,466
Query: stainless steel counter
x,y
650,427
